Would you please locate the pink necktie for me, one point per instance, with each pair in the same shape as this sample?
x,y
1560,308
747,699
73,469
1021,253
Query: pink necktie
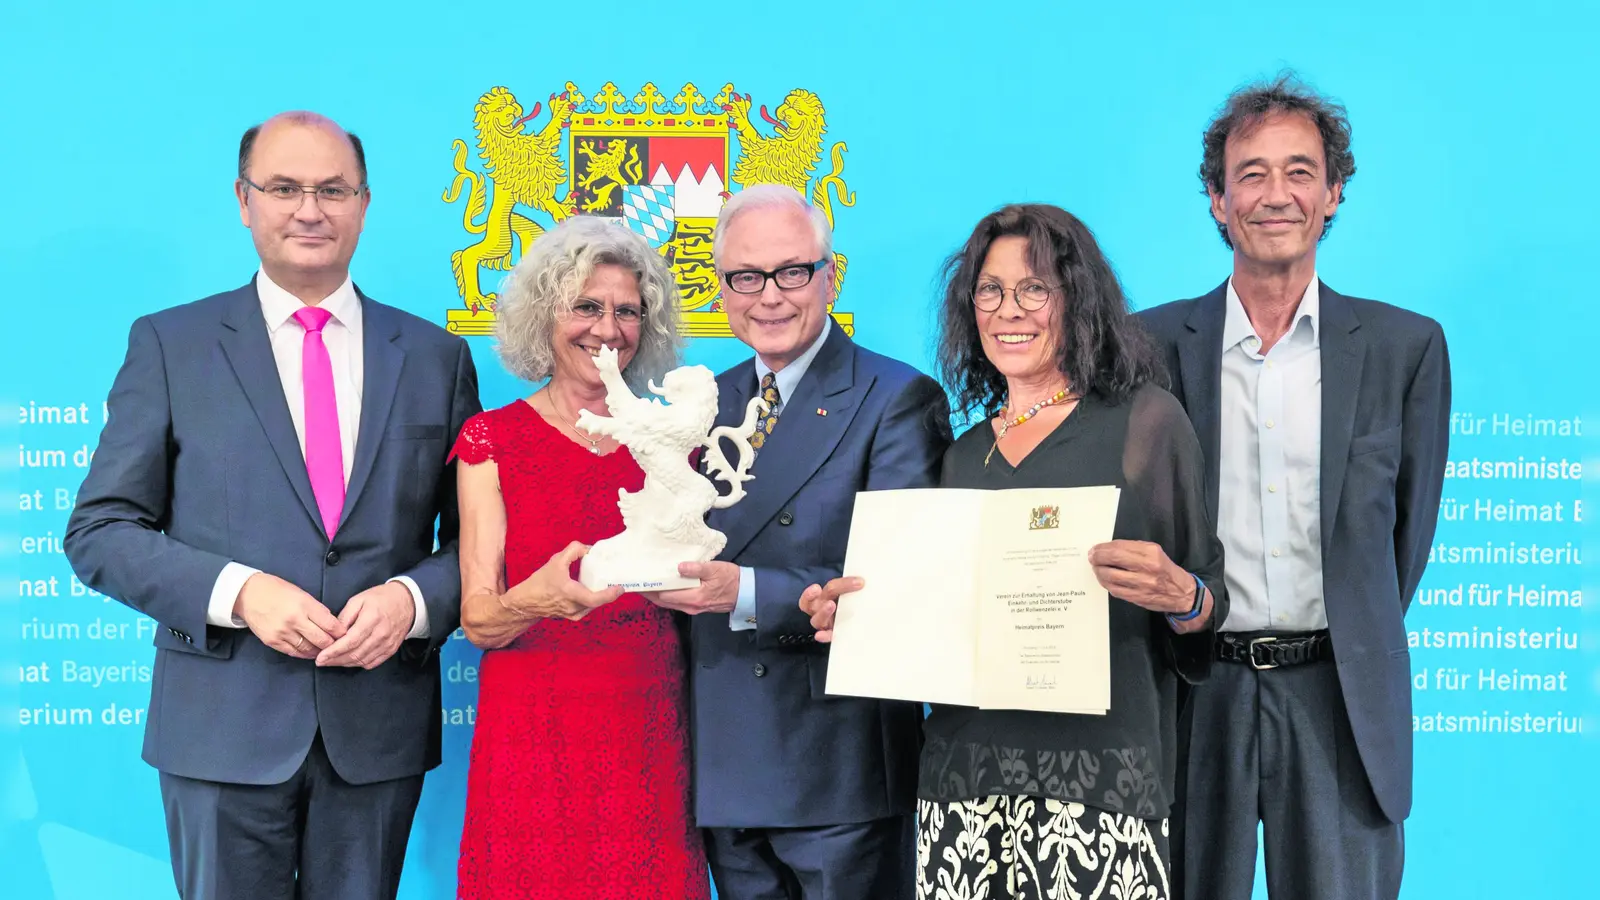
x,y
324,456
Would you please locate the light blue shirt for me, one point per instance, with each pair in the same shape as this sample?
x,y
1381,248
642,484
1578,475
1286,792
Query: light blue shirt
x,y
743,617
1269,511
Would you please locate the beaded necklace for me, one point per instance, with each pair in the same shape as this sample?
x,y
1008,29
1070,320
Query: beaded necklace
x,y
1006,425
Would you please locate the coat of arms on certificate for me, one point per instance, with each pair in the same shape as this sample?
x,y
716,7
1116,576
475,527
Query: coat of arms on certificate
x,y
1045,517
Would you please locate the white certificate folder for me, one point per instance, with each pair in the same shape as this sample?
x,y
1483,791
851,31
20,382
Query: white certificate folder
x,y
977,598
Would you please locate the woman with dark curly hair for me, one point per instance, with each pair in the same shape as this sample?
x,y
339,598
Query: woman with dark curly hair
x,y
1036,336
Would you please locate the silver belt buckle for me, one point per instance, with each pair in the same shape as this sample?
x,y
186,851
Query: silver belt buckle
x,y
1258,666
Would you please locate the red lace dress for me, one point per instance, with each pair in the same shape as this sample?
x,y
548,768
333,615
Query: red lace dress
x,y
578,785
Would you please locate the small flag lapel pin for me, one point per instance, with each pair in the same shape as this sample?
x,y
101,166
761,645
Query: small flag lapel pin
x,y
821,411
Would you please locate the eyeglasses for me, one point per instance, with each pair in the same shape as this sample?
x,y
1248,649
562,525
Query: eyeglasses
x,y
1030,295
332,199
627,314
754,281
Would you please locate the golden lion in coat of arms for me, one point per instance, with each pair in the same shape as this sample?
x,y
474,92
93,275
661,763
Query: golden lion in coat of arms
x,y
662,168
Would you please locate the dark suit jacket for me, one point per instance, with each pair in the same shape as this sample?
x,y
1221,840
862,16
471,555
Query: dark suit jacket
x,y
771,750
199,464
1385,432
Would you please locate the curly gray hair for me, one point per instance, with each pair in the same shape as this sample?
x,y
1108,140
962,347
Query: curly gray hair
x,y
544,283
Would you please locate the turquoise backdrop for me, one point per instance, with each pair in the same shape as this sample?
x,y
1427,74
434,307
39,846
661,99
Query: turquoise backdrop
x,y
1474,140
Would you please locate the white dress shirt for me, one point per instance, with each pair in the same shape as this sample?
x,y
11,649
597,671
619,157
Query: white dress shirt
x,y
743,617
342,336
1270,490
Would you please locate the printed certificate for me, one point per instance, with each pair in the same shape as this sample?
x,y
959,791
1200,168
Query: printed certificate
x,y
977,598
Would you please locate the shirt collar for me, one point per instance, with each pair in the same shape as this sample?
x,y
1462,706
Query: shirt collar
x,y
789,376
1236,324
278,306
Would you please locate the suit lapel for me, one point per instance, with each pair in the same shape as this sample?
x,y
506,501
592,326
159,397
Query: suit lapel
x,y
1343,351
249,351
801,442
382,360
734,390
733,394
1200,371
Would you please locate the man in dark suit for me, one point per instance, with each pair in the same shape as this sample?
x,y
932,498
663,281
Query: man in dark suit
x,y
268,488
802,795
1325,421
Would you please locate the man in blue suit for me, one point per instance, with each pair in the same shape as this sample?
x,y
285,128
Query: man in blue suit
x,y
801,795
269,488
1325,423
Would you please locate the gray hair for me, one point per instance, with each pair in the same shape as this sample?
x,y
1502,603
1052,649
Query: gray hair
x,y
771,196
543,285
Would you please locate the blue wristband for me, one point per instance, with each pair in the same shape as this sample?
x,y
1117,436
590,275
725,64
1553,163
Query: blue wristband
x,y
1199,602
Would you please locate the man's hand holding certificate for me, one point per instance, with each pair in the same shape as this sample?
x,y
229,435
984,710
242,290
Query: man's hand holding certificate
x,y
976,598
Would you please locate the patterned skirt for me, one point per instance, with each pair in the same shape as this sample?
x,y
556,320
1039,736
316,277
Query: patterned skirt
x,y
1031,848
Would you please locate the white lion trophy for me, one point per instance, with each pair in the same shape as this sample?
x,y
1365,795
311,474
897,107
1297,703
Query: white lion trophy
x,y
664,523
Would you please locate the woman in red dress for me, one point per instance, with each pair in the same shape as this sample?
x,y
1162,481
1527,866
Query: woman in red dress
x,y
578,784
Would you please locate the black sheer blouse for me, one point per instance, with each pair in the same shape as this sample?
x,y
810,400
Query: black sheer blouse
x,y
1124,761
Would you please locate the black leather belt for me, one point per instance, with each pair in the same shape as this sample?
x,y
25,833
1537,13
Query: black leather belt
x,y
1262,650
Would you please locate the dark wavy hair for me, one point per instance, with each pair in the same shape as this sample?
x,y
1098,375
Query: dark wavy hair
x,y
1249,106
1100,347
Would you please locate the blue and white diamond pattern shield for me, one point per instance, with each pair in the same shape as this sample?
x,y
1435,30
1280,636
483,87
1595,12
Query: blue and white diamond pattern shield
x,y
647,209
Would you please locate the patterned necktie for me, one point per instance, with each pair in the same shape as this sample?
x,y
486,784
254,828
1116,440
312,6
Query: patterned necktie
x,y
769,393
324,455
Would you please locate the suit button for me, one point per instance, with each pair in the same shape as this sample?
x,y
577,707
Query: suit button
x,y
760,669
786,519
332,558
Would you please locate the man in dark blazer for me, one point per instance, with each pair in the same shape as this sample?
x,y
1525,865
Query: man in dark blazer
x,y
801,795
1324,420
269,488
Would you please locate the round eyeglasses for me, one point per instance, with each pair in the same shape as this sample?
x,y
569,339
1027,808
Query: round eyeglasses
x,y
1030,295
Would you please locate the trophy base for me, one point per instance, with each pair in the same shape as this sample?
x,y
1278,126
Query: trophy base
x,y
633,579
636,565
644,561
